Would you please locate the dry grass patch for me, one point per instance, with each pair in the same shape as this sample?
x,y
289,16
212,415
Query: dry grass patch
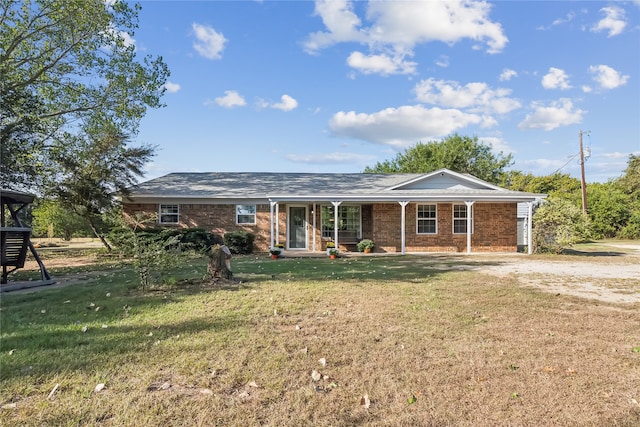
x,y
293,345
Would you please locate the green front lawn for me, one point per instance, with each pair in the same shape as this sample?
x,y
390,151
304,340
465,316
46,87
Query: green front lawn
x,y
313,341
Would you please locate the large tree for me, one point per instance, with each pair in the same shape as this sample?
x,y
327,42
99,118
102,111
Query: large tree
x,y
93,166
64,64
462,154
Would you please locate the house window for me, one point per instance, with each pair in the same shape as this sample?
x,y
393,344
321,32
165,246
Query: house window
x,y
168,214
348,220
427,219
245,214
460,219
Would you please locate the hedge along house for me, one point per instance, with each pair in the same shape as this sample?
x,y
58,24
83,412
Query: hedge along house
x,y
441,211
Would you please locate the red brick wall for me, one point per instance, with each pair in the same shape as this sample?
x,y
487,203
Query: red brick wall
x,y
495,229
495,226
219,219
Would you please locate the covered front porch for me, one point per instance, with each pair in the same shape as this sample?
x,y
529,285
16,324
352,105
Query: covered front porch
x,y
398,226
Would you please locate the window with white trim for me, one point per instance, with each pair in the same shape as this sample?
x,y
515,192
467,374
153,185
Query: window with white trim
x,y
460,219
349,219
427,219
169,214
245,214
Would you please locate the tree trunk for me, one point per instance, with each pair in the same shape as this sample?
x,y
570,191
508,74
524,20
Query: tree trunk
x,y
98,235
219,263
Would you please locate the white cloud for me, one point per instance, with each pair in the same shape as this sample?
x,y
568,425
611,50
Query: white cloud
x,y
380,64
587,89
507,74
476,96
497,144
556,78
287,103
171,87
341,22
558,113
570,16
615,155
442,61
397,27
607,77
209,43
230,99
400,127
614,21
330,158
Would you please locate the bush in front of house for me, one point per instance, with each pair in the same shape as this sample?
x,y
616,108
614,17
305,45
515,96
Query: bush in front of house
x,y
239,242
198,239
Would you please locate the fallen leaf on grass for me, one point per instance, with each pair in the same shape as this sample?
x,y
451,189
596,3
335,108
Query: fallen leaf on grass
x,y
315,375
53,391
323,361
412,399
365,402
12,351
84,329
99,388
9,406
252,384
206,391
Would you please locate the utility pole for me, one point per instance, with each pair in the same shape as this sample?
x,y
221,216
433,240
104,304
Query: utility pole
x,y
583,185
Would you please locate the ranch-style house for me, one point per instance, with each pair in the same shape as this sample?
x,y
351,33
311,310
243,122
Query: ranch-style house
x,y
441,211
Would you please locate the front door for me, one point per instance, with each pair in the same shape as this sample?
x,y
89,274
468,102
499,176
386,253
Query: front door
x,y
297,228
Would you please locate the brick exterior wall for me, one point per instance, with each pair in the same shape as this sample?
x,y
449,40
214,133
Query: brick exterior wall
x,y
494,229
495,226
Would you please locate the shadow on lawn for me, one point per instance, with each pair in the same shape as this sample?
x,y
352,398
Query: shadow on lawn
x,y
575,252
40,350
362,269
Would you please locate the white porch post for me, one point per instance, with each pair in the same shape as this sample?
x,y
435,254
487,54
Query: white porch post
x,y
469,223
313,213
335,222
277,218
271,205
403,216
530,228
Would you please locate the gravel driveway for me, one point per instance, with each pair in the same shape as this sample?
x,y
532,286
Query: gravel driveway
x,y
609,278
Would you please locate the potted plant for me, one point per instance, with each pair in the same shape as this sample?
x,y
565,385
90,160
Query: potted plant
x,y
333,253
279,247
275,252
330,245
366,245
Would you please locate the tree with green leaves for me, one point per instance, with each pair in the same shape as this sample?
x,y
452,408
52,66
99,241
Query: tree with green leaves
x,y
458,153
557,184
52,220
93,167
65,65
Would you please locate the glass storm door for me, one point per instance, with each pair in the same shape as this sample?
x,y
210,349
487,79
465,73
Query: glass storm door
x,y
297,232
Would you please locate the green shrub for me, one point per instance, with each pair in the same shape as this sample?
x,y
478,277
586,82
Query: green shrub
x,y
365,244
239,242
558,224
198,239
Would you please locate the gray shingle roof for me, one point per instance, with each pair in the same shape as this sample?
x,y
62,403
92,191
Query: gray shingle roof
x,y
301,186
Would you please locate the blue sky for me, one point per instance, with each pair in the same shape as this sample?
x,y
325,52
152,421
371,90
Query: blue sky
x,y
302,86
